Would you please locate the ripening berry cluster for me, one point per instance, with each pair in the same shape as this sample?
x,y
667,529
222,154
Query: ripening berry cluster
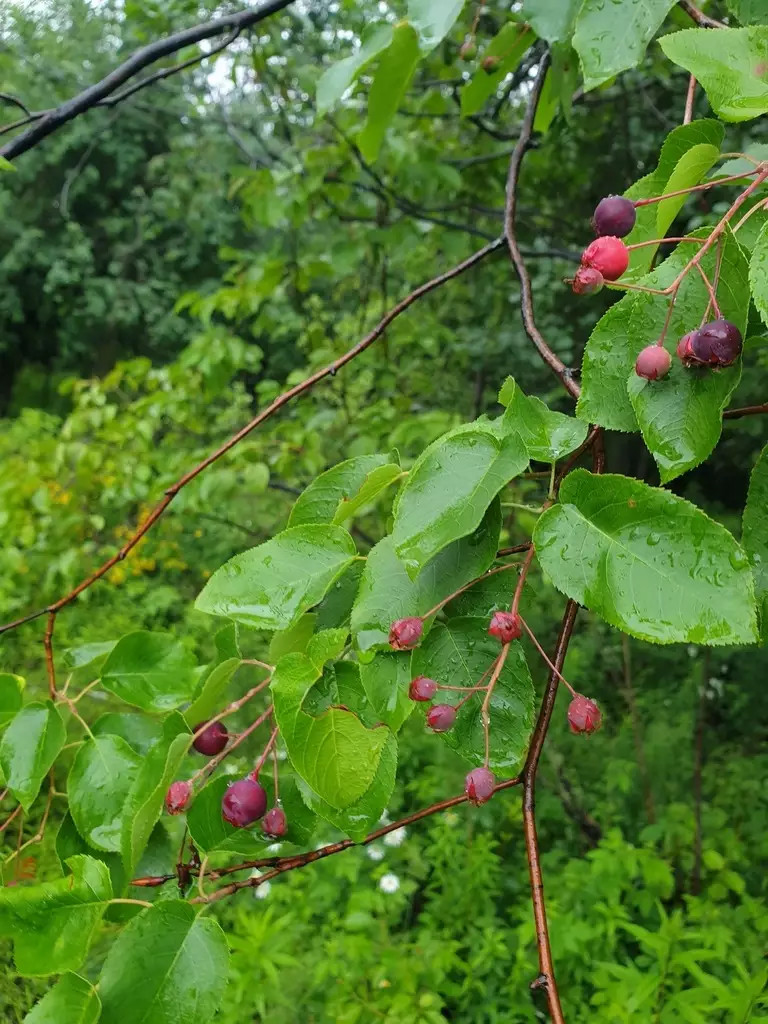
x,y
584,716
245,801
716,344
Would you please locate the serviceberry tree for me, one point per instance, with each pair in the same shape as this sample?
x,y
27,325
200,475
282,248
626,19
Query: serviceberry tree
x,y
339,648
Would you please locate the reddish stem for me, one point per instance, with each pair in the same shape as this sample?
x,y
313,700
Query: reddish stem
x,y
696,188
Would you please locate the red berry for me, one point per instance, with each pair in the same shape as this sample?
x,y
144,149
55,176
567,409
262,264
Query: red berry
x,y
584,715
275,822
177,797
685,347
440,717
506,626
587,281
607,254
243,803
615,216
212,740
422,688
723,341
405,633
653,362
479,786
488,64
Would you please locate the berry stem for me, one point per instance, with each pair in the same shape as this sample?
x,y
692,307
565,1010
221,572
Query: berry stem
x,y
700,188
758,206
668,318
545,656
213,764
484,714
712,297
521,581
235,705
264,754
445,600
689,98
275,774
660,241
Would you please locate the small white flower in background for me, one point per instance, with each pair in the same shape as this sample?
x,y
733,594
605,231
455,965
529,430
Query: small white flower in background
x,y
281,754
231,769
389,883
375,853
385,818
692,651
274,847
263,891
396,837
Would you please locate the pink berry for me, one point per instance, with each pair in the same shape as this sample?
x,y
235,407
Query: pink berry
x,y
607,254
440,717
584,716
275,822
506,626
722,339
479,786
615,216
212,740
685,348
244,802
587,281
177,797
653,362
422,688
405,633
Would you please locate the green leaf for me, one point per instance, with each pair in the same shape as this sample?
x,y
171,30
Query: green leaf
x,y
510,45
433,19
648,562
212,693
552,20
388,593
339,492
296,638
72,1000
211,833
364,814
386,680
392,77
450,488
272,585
338,78
336,607
740,165
153,671
325,646
6,165
169,966
755,534
730,64
98,784
11,690
611,37
459,653
604,399
87,654
144,803
748,12
758,274
547,435
689,171
681,416
69,843
29,747
334,753
52,923
672,165
138,731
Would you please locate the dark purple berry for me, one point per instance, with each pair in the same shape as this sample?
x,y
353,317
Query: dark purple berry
x,y
584,716
479,786
275,822
405,633
587,281
441,717
177,797
653,362
422,688
614,215
724,341
607,254
505,626
244,802
211,740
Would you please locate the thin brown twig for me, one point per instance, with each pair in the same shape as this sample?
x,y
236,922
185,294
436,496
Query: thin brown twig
x,y
702,20
275,406
526,293
747,410
689,98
